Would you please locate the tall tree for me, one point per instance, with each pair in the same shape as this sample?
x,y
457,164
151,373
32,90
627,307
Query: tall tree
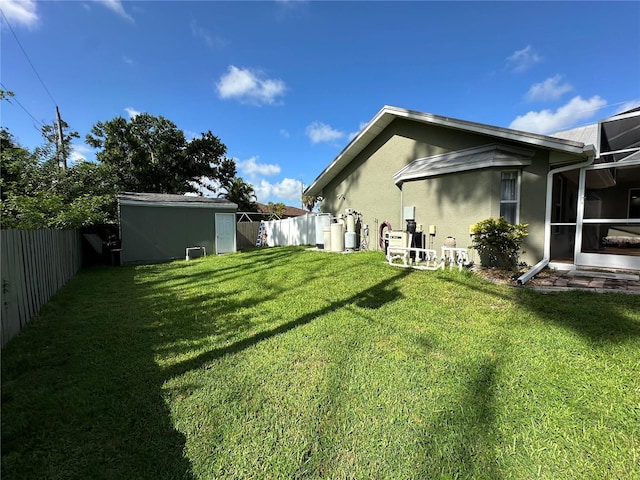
x,y
37,194
242,193
150,154
309,201
279,209
52,147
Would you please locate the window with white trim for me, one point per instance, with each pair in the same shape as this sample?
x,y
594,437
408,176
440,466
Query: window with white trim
x,y
510,196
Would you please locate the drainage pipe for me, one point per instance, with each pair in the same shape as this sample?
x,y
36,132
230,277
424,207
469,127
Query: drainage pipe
x,y
533,271
590,151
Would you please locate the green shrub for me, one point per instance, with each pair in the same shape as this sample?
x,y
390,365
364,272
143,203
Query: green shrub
x,y
498,242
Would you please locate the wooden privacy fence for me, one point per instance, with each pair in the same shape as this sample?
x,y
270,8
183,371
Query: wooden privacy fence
x,y
34,265
247,234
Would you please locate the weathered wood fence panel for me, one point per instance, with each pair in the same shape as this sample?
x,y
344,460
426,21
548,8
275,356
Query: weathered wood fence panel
x,y
35,264
247,234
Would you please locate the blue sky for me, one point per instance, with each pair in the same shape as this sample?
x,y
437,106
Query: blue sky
x,y
286,85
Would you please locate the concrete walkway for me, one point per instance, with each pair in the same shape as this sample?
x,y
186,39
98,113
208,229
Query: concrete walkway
x,y
586,280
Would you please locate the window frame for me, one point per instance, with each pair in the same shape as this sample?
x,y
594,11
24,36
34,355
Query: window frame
x,y
517,193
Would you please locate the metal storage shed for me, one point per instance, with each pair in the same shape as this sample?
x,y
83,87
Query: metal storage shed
x,y
158,227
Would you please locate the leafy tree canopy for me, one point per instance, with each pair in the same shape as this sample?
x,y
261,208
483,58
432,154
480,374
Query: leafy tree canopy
x,y
146,154
309,201
150,154
279,209
37,193
241,193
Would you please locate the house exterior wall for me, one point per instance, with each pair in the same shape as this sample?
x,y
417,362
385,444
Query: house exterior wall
x,y
154,234
451,202
366,184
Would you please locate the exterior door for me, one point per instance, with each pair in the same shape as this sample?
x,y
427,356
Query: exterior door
x,y
225,232
608,233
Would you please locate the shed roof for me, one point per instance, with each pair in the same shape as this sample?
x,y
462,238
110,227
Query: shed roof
x,y
388,114
168,200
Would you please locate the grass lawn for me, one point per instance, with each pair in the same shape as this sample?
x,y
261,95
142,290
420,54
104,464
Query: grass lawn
x,y
286,363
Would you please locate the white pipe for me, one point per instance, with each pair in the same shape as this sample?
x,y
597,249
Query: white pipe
x,y
591,156
533,271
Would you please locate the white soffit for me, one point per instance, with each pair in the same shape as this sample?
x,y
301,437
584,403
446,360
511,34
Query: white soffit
x,y
494,155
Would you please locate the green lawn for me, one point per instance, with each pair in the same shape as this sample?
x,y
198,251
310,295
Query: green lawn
x,y
286,363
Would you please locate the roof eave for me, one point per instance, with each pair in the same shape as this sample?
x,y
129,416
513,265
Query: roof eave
x,y
388,113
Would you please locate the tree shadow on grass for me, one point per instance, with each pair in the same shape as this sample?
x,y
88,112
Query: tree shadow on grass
x,y
460,441
82,393
599,317
373,297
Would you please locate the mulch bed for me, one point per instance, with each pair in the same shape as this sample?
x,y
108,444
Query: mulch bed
x,y
510,277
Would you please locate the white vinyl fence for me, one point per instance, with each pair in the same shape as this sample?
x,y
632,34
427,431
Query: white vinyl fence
x,y
292,231
34,265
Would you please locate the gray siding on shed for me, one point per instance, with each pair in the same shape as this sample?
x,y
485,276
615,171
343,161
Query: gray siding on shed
x,y
160,233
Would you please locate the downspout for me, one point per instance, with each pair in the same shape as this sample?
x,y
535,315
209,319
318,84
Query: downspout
x,y
533,271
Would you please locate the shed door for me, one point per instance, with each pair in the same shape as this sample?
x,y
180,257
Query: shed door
x,y
225,232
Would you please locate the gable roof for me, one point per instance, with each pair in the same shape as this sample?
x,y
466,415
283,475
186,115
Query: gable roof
x,y
388,114
168,200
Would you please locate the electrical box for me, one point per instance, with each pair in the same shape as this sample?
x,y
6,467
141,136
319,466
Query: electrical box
x,y
409,213
432,229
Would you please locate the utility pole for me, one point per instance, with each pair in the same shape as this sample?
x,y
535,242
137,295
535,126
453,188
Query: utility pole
x,y
60,150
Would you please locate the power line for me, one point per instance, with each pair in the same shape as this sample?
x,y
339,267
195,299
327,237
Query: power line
x,y
14,99
27,57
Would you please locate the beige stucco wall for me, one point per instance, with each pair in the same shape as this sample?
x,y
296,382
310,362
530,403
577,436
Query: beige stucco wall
x,y
450,202
366,184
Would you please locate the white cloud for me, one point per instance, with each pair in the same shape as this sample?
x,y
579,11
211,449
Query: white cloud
x,y
628,106
132,112
285,133
80,152
199,32
116,6
246,86
127,60
353,135
321,132
20,12
251,168
550,89
288,190
567,116
214,184
190,135
522,60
